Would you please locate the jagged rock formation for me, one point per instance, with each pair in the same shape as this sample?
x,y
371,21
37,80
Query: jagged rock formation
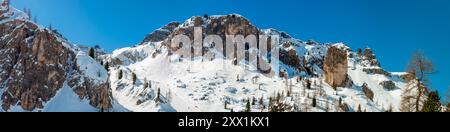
x,y
35,64
335,67
197,84
369,58
161,34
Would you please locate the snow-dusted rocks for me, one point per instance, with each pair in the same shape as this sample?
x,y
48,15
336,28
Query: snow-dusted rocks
x,y
219,85
335,67
38,66
41,71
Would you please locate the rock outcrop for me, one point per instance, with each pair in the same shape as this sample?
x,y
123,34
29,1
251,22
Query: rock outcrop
x,y
369,93
35,64
388,85
335,67
369,58
161,34
98,94
218,25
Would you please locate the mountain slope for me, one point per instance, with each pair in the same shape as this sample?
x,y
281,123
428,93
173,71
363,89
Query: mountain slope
x,y
38,66
42,71
210,85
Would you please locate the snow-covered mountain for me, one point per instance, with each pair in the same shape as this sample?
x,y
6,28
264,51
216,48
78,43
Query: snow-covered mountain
x,y
331,76
41,71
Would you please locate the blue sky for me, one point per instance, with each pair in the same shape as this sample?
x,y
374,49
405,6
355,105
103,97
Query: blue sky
x,y
392,28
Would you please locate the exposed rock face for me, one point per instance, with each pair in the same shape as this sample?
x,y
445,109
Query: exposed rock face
x,y
161,34
369,58
376,70
290,58
221,26
99,95
335,67
388,85
369,93
35,64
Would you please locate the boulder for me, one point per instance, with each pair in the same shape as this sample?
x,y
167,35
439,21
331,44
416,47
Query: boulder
x,y
369,93
388,85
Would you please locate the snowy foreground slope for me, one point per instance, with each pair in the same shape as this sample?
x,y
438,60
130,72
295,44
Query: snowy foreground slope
x,y
220,86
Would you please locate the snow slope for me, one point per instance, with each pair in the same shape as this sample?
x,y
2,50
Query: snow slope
x,y
206,86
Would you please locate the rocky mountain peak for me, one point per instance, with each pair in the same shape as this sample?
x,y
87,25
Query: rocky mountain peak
x,y
36,64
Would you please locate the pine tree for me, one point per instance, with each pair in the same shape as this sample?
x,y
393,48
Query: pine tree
x,y
225,104
359,52
133,77
278,97
91,53
308,83
432,104
107,66
359,108
254,101
120,74
340,101
50,27
270,102
145,83
248,106
29,14
158,94
314,101
261,101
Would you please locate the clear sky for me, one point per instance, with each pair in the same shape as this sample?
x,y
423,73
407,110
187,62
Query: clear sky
x,y
392,28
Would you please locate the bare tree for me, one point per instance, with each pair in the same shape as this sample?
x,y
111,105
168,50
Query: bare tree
x,y
420,67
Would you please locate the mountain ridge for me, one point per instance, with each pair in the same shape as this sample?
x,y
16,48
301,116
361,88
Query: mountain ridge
x,y
151,76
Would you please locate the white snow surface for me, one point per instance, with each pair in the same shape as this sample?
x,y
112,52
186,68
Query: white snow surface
x,y
204,86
